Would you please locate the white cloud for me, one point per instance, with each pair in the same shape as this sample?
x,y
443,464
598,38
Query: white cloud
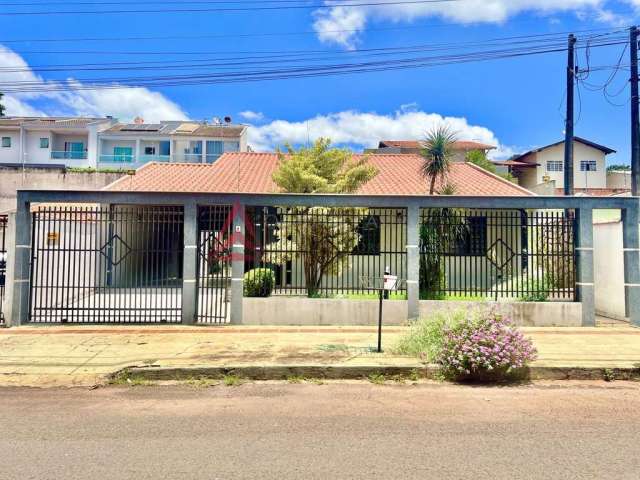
x,y
123,103
330,24
365,129
252,116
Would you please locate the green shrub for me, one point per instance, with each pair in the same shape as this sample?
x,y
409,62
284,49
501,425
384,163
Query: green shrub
x,y
538,290
426,336
259,282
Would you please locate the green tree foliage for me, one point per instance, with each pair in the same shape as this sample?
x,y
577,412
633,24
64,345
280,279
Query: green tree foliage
x,y
479,158
437,150
619,168
322,237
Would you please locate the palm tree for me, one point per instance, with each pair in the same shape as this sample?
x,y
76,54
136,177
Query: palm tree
x,y
437,149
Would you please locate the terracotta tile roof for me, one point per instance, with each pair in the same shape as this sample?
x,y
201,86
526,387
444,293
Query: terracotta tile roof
x,y
244,172
458,145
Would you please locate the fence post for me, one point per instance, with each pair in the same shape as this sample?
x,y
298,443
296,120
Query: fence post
x,y
189,264
237,263
584,266
413,262
631,249
22,265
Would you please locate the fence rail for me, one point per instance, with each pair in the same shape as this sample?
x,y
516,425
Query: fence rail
x,y
325,251
515,254
117,264
4,220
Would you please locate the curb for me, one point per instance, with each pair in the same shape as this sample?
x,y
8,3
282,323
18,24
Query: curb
x,y
358,372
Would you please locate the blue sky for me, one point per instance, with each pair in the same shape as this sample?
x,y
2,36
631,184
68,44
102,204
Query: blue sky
x,y
514,102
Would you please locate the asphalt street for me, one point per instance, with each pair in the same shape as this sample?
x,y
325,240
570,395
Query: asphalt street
x,y
568,430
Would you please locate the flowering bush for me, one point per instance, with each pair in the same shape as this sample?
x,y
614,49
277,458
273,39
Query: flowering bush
x,y
487,347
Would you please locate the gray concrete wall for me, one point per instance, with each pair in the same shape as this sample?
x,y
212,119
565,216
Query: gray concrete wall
x,y
609,270
314,311
14,178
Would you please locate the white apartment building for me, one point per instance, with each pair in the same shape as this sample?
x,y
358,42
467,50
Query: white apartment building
x,y
107,143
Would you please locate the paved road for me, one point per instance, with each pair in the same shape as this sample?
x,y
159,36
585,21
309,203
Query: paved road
x,y
264,431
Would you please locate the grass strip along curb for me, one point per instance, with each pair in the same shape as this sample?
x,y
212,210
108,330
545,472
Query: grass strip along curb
x,y
357,372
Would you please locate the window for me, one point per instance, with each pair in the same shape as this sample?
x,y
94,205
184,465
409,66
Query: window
x,y
473,242
122,154
588,166
44,142
149,150
368,236
554,165
6,142
231,146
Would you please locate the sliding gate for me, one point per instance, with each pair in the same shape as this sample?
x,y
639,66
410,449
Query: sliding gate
x,y
106,264
214,263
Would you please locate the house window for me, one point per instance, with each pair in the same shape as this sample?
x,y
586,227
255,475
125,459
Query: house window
x,y
473,242
6,142
44,142
554,166
588,166
149,150
368,236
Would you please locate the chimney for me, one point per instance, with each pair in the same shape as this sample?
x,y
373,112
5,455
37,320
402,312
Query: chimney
x,y
138,120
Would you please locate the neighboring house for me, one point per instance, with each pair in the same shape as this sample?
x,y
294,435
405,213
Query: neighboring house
x,y
492,238
106,143
50,140
460,148
542,170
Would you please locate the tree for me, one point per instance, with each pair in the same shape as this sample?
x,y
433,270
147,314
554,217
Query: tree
x,y
323,237
1,106
479,158
619,168
437,150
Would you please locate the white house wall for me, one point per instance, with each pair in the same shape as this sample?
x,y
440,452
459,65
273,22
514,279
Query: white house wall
x,y
11,154
581,152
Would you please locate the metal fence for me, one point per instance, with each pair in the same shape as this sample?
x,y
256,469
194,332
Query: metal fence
x,y
4,219
325,251
515,254
117,264
214,263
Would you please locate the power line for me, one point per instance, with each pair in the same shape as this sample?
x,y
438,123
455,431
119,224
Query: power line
x,y
229,9
302,71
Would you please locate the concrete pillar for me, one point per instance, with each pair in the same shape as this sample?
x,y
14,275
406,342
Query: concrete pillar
x,y
10,246
584,266
237,263
190,264
631,249
413,262
137,157
21,265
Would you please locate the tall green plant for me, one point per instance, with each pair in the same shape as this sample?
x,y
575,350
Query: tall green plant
x,y
437,151
321,237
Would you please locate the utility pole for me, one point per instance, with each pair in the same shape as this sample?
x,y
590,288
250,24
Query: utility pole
x,y
568,128
635,118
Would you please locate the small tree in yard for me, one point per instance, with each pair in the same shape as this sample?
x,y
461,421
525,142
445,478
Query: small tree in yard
x,y
437,150
323,237
479,158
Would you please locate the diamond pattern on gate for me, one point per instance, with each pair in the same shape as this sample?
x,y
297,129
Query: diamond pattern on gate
x,y
505,248
124,249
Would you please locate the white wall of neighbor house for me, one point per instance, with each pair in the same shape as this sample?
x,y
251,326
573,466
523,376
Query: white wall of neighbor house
x,y
34,152
619,179
581,179
10,154
609,269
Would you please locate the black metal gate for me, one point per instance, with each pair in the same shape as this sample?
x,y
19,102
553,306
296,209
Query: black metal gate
x,y
215,238
3,261
112,264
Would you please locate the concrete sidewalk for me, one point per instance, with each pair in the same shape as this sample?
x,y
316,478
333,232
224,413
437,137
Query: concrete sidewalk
x,y
83,356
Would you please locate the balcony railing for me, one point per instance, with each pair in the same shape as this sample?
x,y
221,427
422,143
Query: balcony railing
x,y
117,158
187,158
154,158
67,155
